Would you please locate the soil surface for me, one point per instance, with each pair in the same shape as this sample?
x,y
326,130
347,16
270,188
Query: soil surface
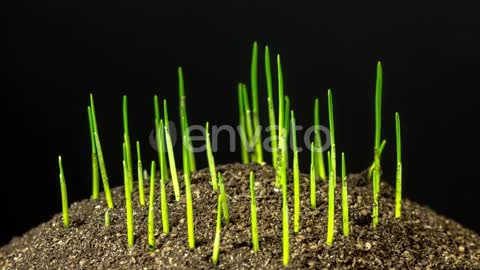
x,y
421,239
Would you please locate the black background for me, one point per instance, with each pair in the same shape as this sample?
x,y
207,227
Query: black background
x,y
58,52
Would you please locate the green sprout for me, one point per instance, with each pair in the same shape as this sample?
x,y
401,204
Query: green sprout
x,y
184,120
286,128
320,166
380,151
248,121
141,190
151,209
281,123
95,170
226,214
171,156
346,226
211,160
218,230
63,190
296,178
98,147
313,188
285,229
271,107
188,193
107,218
128,203
127,141
333,173
377,153
163,199
242,126
254,89
253,213
398,188
162,159
375,183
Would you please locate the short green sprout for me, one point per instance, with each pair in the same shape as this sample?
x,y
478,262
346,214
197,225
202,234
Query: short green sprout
x,y
141,190
296,178
151,209
63,191
313,188
161,150
248,122
226,214
95,170
171,156
253,214
398,186
107,218
218,230
164,201
320,165
345,218
128,203
184,120
255,116
127,141
211,160
188,193
271,107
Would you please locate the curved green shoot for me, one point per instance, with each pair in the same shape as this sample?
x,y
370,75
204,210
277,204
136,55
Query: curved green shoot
x,y
271,107
296,178
254,90
242,126
171,155
127,141
345,216
218,230
331,203
101,162
188,193
107,218
253,214
63,191
380,152
141,190
226,214
95,170
398,186
313,188
151,209
164,201
128,203
184,120
320,166
211,160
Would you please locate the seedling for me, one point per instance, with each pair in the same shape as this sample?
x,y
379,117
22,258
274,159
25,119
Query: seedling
x,y
296,178
271,107
375,183
211,160
242,126
171,156
151,209
218,230
346,226
332,179
159,131
98,147
226,214
127,142
398,187
378,129
188,193
63,191
164,201
128,203
285,229
95,172
248,122
320,165
184,120
313,188
141,190
253,214
254,88
286,129
281,111
107,218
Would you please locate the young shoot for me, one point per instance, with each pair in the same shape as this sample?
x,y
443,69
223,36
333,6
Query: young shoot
x,y
184,120
211,160
63,191
398,186
375,183
331,203
151,209
377,153
171,155
271,107
296,178
95,170
161,150
313,188
218,230
281,123
286,128
285,229
188,194
128,203
242,129
320,165
345,217
226,214
253,213
141,190
248,122
127,141
107,218
256,119
101,162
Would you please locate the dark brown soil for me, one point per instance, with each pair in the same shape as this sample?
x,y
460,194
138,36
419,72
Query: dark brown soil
x,y
422,239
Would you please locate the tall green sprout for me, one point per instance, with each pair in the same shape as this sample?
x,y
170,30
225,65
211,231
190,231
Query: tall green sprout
x,y
141,191
296,178
286,128
285,228
151,209
95,171
345,218
248,122
184,120
398,187
281,111
253,214
128,147
101,162
164,201
320,166
333,173
242,129
128,204
211,160
378,129
226,214
218,230
256,118
160,138
271,107
313,188
171,156
188,194
63,191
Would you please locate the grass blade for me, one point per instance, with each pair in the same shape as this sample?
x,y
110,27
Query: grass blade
x,y
171,154
127,141
331,204
211,160
271,107
226,214
164,205
286,128
313,188
320,166
248,121
242,127
378,128
184,120
128,203
188,194
254,90
151,209
218,230
141,190
398,185
296,178
63,191
253,214
95,170
345,216
281,111
375,182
